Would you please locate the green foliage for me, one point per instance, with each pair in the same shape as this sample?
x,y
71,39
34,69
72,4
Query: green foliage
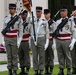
x,y
3,62
54,5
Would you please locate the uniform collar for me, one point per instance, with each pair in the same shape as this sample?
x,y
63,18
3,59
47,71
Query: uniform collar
x,y
48,19
12,16
64,18
39,18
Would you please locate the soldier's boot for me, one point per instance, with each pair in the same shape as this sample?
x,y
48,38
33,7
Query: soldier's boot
x,y
15,72
9,72
27,71
74,71
36,72
51,71
22,71
69,72
41,72
61,72
46,71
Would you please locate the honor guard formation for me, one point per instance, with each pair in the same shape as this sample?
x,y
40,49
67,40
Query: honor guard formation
x,y
22,33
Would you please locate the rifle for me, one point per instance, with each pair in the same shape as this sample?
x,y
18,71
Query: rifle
x,y
52,20
11,23
60,26
25,24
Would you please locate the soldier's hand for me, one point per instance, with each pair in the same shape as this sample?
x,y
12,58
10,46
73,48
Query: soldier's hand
x,y
54,46
3,42
29,42
71,46
19,41
72,43
35,43
18,44
46,45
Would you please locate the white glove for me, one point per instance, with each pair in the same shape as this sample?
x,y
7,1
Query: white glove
x,y
19,41
29,42
35,43
3,42
72,43
54,44
46,45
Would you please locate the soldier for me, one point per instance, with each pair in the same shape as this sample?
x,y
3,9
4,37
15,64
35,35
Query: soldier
x,y
24,57
42,41
73,21
10,40
49,53
63,41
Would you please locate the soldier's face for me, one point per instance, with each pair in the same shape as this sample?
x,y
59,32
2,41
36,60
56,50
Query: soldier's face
x,y
38,14
74,13
12,11
24,16
47,16
63,13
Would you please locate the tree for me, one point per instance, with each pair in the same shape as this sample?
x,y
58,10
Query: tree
x,y
54,5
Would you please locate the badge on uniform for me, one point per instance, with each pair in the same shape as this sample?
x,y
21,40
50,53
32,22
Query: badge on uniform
x,y
43,22
66,27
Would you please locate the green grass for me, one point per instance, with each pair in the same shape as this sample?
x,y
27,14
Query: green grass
x,y
55,71
3,62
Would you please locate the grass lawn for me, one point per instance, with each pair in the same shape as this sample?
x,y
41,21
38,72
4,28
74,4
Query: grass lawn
x,y
55,71
3,62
